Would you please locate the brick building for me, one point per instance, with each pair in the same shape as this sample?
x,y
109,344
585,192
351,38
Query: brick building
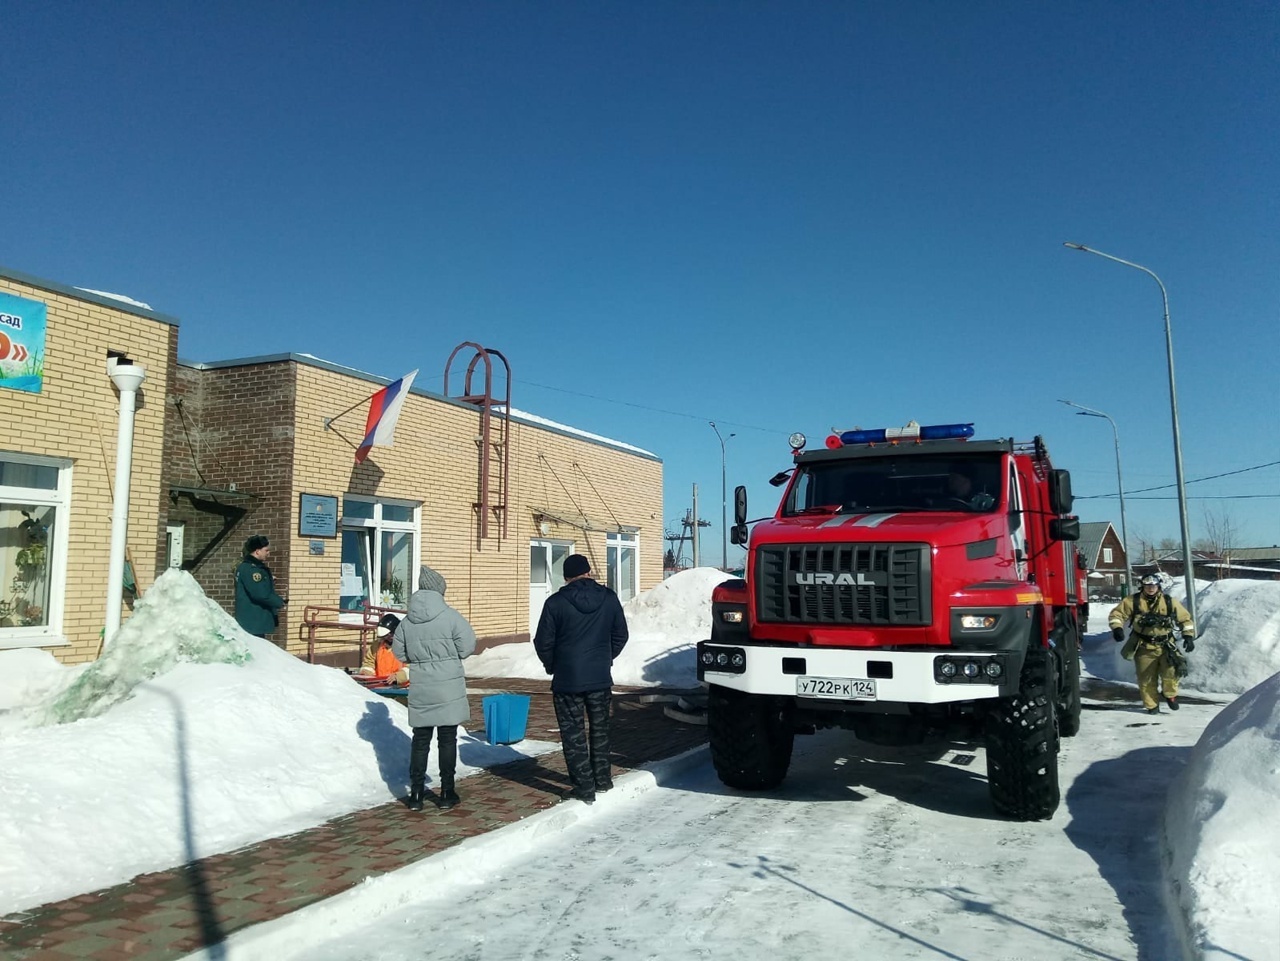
x,y
254,447
59,411
1104,556
493,498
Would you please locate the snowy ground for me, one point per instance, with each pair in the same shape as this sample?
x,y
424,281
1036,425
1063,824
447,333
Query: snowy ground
x,y
218,740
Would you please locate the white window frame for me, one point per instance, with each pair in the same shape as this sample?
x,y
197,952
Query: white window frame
x,y
51,634
1106,555
615,544
377,525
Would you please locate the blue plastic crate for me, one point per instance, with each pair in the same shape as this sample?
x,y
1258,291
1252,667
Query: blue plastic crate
x,y
505,717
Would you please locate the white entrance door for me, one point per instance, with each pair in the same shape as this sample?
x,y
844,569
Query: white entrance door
x,y
546,575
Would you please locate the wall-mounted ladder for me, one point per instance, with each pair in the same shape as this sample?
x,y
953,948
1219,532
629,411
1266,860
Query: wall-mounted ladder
x,y
494,449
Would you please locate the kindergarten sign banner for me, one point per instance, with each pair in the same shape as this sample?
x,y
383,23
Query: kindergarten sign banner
x,y
22,329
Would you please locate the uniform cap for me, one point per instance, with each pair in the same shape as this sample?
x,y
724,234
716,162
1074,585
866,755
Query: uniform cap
x,y
389,623
255,543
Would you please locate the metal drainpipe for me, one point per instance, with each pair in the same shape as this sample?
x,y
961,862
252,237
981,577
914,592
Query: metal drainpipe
x,y
127,377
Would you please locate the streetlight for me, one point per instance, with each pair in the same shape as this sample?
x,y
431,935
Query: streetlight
x,y
1083,411
1188,571
724,517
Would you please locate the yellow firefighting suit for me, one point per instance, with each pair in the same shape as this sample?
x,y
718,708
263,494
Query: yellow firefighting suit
x,y
1153,620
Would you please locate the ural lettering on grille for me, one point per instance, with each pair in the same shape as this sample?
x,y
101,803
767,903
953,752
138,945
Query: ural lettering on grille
x,y
843,584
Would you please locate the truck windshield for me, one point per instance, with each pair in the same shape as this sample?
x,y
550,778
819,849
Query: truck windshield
x,y
925,482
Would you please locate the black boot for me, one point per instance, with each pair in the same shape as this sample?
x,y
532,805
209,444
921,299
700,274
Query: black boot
x,y
448,737
414,801
448,796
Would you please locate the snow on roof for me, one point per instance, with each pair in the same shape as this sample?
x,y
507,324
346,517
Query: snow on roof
x,y
120,297
534,418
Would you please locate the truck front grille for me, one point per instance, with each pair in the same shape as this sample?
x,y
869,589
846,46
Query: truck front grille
x,y
843,584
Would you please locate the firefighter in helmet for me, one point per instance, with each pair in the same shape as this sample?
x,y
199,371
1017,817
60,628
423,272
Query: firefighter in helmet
x,y
1154,616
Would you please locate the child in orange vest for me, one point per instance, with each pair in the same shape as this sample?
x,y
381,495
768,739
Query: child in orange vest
x,y
379,661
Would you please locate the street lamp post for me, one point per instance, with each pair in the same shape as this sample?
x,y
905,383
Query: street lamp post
x,y
1083,411
724,516
1188,570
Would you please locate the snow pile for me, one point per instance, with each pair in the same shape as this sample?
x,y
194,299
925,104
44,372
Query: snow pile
x,y
202,758
1237,643
1239,621
30,676
173,624
664,625
678,607
1221,858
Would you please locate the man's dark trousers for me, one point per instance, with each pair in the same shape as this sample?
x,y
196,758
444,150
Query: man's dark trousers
x,y
586,755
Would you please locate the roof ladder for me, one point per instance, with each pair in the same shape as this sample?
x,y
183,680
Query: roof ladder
x,y
493,441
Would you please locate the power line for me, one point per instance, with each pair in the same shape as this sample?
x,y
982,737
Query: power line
x,y
1197,480
772,430
655,410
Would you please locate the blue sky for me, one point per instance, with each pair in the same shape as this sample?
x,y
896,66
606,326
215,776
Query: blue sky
x,y
778,216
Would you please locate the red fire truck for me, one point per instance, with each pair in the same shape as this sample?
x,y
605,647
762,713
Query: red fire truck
x,y
913,584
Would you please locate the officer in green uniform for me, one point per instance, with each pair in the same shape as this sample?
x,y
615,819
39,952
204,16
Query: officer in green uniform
x,y
1154,615
257,603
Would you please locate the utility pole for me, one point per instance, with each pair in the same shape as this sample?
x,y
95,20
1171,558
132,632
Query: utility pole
x,y
694,523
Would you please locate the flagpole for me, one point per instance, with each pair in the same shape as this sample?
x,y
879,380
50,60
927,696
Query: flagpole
x,y
330,420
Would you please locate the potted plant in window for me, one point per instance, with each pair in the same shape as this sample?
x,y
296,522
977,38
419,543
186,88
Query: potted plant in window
x,y
30,563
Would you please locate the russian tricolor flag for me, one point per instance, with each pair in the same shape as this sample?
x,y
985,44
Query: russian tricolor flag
x,y
384,411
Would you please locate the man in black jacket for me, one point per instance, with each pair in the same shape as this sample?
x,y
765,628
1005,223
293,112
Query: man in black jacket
x,y
581,631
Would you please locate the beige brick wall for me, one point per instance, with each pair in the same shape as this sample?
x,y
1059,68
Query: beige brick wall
x,y
75,416
435,460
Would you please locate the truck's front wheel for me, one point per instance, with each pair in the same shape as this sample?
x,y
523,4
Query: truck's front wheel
x,y
751,738
1068,641
1022,745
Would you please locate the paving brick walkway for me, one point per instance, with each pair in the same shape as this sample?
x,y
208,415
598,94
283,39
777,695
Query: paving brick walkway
x,y
171,913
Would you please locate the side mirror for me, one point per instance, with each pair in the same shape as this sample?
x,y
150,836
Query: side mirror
x,y
1065,528
738,535
780,478
1060,499
740,505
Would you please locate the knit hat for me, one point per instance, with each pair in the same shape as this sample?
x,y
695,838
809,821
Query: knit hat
x,y
575,565
429,580
255,543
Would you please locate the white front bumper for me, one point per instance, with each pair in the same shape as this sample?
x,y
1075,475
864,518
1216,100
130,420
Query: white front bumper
x,y
911,681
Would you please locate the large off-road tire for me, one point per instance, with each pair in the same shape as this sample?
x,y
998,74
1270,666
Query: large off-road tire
x,y
1068,643
751,738
1022,745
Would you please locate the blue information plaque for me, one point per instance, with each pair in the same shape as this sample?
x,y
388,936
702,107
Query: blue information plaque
x,y
317,515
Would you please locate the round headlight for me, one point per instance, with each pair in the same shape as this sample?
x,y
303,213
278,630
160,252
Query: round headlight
x,y
722,659
970,669
947,669
737,660
796,440
708,657
993,669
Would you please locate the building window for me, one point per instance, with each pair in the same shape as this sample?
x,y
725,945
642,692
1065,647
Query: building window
x,y
380,552
624,567
34,498
1106,555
